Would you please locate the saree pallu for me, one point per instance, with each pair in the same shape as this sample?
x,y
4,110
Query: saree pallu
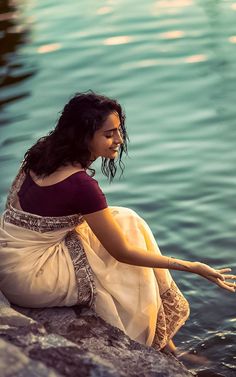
x,y
58,261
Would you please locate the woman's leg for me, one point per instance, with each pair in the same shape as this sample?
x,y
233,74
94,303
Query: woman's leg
x,y
171,347
186,357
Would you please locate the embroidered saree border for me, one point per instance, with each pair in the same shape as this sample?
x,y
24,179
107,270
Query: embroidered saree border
x,y
15,187
84,275
173,312
38,223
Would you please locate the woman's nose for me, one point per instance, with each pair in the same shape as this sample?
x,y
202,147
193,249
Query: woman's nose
x,y
118,138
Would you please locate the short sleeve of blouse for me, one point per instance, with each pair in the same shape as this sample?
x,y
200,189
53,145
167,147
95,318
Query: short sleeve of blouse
x,y
89,197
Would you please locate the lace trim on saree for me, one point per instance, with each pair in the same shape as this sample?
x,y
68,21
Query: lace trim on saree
x,y
83,271
173,312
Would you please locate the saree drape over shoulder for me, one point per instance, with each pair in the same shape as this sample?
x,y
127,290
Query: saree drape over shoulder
x,y
58,261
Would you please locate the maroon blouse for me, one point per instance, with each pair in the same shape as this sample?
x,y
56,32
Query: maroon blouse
x,y
78,193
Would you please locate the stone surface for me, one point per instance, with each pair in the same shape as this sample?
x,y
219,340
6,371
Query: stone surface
x,y
13,362
73,342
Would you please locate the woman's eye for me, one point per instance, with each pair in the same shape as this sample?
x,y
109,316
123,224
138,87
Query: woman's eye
x,y
111,134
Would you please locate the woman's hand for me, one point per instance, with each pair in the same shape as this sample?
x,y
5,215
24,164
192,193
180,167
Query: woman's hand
x,y
217,277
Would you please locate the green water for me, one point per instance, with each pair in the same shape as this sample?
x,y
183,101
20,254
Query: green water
x,y
172,65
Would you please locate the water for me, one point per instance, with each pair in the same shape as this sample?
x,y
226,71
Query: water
x,y
172,64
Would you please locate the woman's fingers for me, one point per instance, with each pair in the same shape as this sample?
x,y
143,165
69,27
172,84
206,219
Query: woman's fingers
x,y
231,277
228,286
223,273
219,277
231,287
224,270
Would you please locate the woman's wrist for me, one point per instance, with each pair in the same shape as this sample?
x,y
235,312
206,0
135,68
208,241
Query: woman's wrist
x,y
182,265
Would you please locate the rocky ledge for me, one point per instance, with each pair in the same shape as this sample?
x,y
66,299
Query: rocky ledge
x,y
73,342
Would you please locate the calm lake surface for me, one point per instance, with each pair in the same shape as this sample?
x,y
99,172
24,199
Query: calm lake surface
x,y
172,65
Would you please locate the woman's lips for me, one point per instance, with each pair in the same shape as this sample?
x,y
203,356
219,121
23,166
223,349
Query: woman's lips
x,y
115,149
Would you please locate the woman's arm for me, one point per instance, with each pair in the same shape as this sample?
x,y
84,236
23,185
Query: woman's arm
x,y
111,236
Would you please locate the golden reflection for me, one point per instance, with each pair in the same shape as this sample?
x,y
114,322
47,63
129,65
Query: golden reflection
x,y
233,6
104,10
173,3
48,48
146,63
120,40
232,39
196,58
172,34
170,7
232,319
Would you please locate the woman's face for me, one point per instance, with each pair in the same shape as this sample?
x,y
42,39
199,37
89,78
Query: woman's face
x,y
107,140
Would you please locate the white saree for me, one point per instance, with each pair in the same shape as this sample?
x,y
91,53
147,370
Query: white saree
x,y
58,261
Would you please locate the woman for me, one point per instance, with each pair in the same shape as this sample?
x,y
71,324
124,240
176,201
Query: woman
x,y
61,245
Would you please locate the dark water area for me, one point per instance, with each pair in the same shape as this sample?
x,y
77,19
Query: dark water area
x,y
172,64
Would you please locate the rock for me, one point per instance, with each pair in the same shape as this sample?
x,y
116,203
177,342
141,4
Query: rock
x,y
74,342
14,363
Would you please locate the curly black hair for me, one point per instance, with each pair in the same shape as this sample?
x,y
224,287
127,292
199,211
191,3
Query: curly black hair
x,y
68,143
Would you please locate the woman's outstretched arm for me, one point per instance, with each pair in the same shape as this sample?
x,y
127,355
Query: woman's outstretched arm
x,y
111,236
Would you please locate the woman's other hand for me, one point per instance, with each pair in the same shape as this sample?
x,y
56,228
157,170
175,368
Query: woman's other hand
x,y
217,277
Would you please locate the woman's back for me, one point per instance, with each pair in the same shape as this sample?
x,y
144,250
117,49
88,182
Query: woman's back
x,y
63,193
